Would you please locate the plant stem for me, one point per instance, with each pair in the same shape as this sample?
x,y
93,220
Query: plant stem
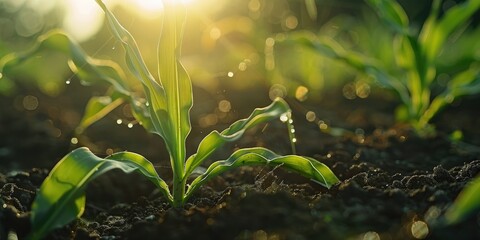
x,y
178,191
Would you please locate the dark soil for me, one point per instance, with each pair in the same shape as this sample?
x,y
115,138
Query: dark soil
x,y
394,185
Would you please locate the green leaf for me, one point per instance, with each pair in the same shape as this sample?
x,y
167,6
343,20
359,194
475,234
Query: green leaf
x,y
157,102
88,69
216,140
467,203
177,84
332,49
96,109
391,12
464,83
61,198
305,166
435,33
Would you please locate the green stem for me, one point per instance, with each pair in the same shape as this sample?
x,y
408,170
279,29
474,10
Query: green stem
x,y
178,191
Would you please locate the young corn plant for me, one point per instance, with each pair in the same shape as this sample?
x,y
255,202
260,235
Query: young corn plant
x,y
165,112
416,59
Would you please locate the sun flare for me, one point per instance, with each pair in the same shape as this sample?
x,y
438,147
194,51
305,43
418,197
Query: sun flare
x,y
151,8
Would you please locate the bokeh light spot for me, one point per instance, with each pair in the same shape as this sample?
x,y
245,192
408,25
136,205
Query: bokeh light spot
x,y
310,116
224,106
301,93
276,91
291,22
419,229
371,236
215,33
254,5
30,102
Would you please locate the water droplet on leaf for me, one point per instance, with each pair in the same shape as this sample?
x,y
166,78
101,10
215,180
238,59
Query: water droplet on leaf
x,y
68,82
230,74
130,125
284,117
119,121
74,140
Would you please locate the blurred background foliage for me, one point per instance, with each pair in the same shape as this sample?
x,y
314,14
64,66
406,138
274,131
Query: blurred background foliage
x,y
228,44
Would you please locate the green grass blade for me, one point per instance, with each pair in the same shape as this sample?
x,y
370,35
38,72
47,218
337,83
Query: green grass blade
x,y
61,197
216,140
467,203
305,166
393,13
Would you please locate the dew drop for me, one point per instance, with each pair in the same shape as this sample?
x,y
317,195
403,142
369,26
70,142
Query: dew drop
x,y
74,140
113,48
68,82
290,121
147,104
119,121
230,74
294,140
284,117
292,130
130,125
1,75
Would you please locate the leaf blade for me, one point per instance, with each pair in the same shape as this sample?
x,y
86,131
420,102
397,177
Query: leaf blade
x,y
467,202
305,166
176,82
61,197
215,140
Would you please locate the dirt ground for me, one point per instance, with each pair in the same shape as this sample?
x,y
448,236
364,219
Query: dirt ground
x,y
394,185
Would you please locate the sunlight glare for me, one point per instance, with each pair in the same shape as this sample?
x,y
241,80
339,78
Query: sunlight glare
x,y
155,5
82,19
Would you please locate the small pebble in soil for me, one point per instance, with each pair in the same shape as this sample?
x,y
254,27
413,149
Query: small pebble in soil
x,y
150,217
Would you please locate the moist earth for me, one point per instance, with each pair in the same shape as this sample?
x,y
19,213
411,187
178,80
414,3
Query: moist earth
x,y
394,185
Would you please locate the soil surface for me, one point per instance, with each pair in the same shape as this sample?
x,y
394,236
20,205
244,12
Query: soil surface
x,y
394,185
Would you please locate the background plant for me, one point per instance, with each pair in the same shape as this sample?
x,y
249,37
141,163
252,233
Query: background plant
x,y
417,59
164,111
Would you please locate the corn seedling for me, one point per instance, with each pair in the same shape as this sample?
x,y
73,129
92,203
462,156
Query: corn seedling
x,y
416,59
165,112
